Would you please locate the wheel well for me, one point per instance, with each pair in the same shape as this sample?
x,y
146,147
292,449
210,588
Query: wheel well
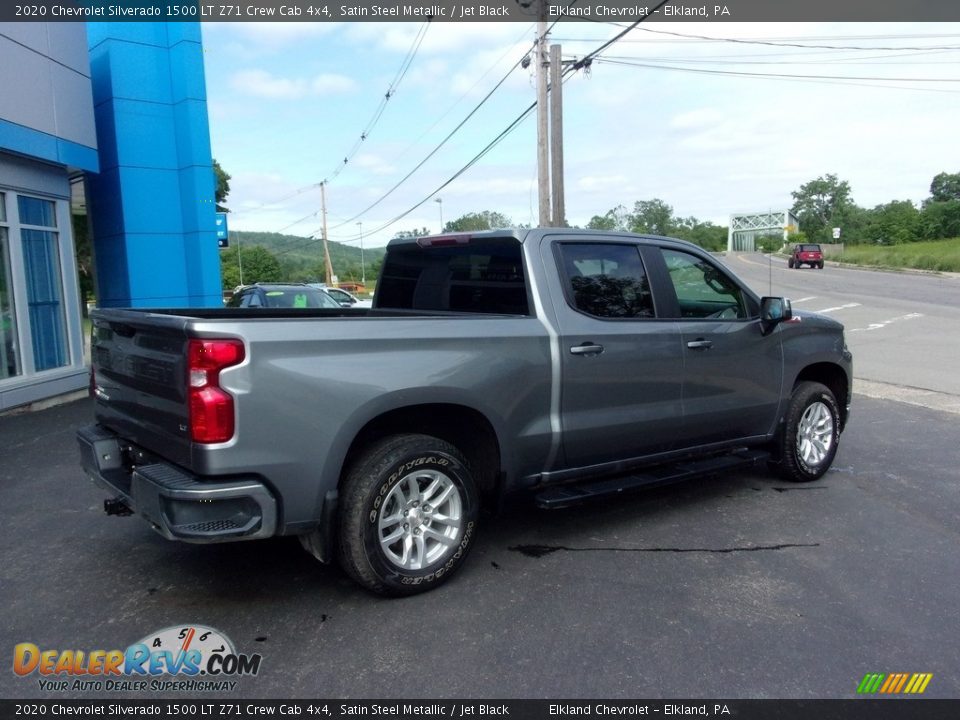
x,y
464,428
834,378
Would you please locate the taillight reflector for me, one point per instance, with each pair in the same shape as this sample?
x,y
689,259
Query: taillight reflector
x,y
210,406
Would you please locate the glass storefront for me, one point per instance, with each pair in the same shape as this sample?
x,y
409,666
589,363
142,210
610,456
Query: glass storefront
x,y
41,260
36,313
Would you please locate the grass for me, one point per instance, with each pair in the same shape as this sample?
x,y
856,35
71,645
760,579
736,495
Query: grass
x,y
942,255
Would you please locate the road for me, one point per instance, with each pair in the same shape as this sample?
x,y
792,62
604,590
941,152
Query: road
x,y
903,328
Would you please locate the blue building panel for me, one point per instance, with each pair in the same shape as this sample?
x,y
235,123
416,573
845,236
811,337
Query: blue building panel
x,y
193,133
151,200
43,146
196,199
157,268
134,71
204,270
112,263
185,82
152,206
141,33
145,132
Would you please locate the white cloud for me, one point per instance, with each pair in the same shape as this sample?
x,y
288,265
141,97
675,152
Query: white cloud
x,y
373,164
261,83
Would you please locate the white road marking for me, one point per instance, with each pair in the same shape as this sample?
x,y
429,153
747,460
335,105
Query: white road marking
x,y
838,307
812,297
877,326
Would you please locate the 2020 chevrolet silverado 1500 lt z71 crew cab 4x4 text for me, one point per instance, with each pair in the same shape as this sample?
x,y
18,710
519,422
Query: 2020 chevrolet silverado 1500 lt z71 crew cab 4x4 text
x,y
565,364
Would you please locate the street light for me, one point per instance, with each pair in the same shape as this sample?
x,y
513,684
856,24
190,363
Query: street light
x,y
363,272
439,201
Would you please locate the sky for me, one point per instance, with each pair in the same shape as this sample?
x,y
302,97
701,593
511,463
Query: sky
x,y
710,126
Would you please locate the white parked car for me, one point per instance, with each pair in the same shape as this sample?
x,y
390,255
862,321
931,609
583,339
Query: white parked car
x,y
344,298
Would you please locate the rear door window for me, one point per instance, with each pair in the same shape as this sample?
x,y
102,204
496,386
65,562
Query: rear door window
x,y
606,280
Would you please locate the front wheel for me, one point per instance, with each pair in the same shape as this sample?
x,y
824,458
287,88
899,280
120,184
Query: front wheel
x,y
409,511
809,437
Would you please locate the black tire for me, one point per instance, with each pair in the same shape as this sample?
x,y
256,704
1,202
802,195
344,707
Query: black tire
x,y
820,265
790,263
808,440
387,492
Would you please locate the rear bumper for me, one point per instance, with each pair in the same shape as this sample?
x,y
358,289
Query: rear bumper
x,y
178,505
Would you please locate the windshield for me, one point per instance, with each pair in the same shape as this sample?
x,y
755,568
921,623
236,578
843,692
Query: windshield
x,y
298,297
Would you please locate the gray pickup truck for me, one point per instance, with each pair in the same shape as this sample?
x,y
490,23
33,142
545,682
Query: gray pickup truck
x,y
560,364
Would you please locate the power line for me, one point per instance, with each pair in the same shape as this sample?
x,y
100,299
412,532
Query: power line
x,y
796,45
378,113
435,149
476,158
467,92
782,76
274,202
572,68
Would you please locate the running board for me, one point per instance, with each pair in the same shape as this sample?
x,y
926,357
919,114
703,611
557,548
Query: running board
x,y
564,495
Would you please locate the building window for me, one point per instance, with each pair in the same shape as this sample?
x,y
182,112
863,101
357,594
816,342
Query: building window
x,y
41,260
9,349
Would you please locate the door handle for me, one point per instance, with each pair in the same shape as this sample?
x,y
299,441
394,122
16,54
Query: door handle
x,y
586,349
700,344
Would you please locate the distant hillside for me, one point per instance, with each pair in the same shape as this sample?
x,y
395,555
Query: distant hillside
x,y
302,258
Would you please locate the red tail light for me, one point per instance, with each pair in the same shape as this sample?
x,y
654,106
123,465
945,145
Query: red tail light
x,y
211,407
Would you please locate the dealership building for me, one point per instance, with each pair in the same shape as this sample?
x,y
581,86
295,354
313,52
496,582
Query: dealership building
x,y
103,137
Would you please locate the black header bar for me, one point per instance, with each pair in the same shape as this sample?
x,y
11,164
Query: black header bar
x,y
207,708
625,11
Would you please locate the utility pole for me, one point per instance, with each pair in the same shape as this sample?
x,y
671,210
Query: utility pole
x,y
363,272
326,248
556,137
543,161
239,258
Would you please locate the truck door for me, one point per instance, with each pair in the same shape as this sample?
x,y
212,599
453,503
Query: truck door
x,y
732,371
621,364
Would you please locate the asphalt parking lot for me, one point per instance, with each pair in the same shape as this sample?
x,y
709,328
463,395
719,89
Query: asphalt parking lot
x,y
737,587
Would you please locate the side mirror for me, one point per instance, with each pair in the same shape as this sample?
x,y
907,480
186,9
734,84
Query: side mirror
x,y
774,310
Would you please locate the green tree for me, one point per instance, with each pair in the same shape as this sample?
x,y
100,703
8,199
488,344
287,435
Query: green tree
x,y
821,205
222,179
941,219
84,254
945,187
614,219
705,234
651,216
486,220
412,233
895,223
259,265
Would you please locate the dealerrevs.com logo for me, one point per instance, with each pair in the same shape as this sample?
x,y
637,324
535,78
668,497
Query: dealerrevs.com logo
x,y
187,658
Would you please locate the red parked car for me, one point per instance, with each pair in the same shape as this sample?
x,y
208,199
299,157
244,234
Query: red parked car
x,y
810,255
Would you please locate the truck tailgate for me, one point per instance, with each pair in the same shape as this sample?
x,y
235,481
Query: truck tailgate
x,y
139,364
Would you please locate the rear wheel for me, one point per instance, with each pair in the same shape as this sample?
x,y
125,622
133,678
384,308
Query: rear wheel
x,y
409,510
808,441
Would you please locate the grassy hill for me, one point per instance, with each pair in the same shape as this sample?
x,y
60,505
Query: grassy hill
x,y
302,258
943,255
